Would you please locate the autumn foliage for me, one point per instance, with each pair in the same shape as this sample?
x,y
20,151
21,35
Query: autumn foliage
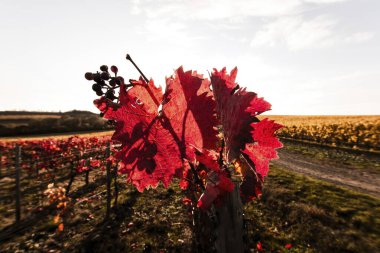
x,y
202,131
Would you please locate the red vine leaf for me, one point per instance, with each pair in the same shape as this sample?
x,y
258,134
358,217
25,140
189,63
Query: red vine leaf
x,y
237,110
61,227
154,144
184,183
258,106
217,186
252,184
189,107
218,181
265,144
149,154
208,158
147,94
232,106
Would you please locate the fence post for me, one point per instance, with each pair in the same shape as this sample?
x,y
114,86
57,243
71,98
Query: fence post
x,y
116,187
1,163
108,168
72,175
17,175
73,171
87,172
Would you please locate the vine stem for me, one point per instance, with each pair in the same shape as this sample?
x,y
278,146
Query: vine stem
x,y
220,160
128,57
197,179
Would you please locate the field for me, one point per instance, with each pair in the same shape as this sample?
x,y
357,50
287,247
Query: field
x,y
317,198
353,132
57,136
16,123
13,121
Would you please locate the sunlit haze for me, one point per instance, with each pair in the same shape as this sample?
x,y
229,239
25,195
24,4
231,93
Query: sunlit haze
x,y
303,56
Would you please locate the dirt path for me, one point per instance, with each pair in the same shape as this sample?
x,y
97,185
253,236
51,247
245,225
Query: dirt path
x,y
366,181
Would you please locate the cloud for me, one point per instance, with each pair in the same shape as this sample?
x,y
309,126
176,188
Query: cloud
x,y
164,28
281,21
223,9
135,7
359,37
213,10
173,34
296,33
323,1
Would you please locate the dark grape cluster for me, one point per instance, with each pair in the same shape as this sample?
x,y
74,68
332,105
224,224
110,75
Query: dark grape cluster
x,y
105,84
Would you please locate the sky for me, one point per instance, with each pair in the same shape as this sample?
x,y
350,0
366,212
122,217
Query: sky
x,y
303,56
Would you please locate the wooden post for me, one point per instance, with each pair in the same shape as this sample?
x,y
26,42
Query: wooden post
x,y
87,177
1,161
17,177
73,170
87,172
221,229
116,187
72,176
108,170
229,230
54,174
37,169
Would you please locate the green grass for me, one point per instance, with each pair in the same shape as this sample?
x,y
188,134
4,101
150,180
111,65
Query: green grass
x,y
335,157
313,216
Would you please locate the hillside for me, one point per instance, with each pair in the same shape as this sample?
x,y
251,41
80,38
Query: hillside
x,y
17,123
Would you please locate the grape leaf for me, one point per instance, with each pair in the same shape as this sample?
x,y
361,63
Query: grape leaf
x,y
231,107
155,143
61,227
190,109
247,140
208,158
186,176
159,131
265,144
252,184
218,184
218,181
149,154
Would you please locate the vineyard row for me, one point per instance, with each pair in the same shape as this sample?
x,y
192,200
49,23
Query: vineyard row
x,y
27,169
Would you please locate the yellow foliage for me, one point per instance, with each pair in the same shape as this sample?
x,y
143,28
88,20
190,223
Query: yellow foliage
x,y
346,131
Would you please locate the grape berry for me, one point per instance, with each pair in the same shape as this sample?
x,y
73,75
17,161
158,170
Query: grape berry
x,y
104,83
